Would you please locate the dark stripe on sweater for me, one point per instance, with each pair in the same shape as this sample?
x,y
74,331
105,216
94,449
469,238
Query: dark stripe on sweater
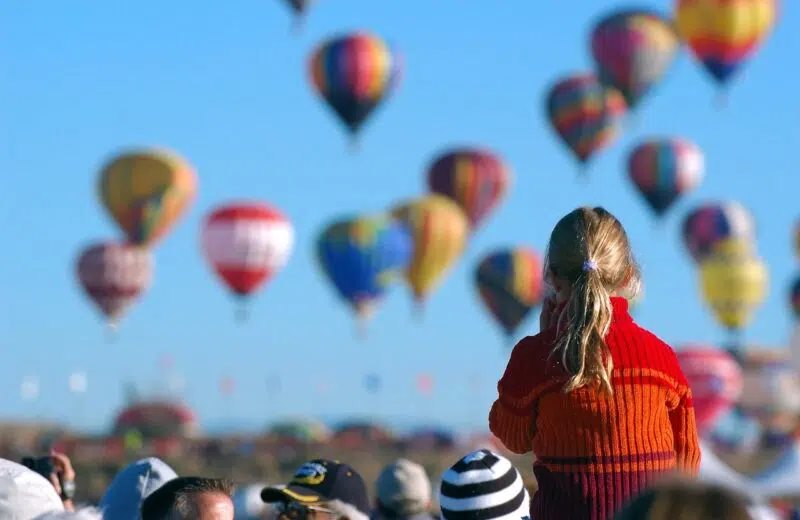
x,y
610,459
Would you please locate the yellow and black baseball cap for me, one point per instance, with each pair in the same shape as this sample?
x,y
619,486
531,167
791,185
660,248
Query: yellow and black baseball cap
x,y
321,480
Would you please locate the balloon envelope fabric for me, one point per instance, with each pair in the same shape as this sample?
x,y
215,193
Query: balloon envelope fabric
x,y
585,114
354,74
510,285
723,34
362,256
664,169
633,50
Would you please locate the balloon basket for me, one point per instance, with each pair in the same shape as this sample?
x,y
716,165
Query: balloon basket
x,y
418,311
242,314
355,145
721,101
112,333
362,331
298,24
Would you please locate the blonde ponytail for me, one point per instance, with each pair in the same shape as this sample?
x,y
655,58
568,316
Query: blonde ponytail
x,y
584,352
589,250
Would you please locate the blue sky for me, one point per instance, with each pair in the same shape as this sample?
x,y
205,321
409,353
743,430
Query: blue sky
x,y
227,88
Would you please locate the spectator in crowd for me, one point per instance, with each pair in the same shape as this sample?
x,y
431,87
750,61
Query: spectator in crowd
x,y
483,486
247,503
601,402
684,500
27,495
124,496
323,489
403,492
190,498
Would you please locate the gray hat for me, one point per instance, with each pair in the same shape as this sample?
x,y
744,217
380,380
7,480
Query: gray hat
x,y
403,489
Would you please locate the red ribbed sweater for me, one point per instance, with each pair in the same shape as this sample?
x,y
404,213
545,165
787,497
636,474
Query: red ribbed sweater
x,y
594,452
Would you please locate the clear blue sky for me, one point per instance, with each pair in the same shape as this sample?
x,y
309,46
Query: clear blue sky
x,y
226,86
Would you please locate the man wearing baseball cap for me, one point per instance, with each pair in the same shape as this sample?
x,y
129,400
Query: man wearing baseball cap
x,y
321,489
403,492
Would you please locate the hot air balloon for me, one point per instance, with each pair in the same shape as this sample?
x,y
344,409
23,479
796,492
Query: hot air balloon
x,y
146,192
722,35
246,243
362,257
354,74
114,275
711,223
664,169
771,391
510,284
373,383
585,114
475,179
299,8
733,282
715,379
633,50
439,230
794,297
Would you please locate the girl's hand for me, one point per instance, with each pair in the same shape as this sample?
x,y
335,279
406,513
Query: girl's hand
x,y
547,317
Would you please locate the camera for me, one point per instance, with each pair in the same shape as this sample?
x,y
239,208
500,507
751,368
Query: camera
x,y
42,465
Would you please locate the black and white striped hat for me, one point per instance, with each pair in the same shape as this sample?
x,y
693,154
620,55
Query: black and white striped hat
x,y
483,486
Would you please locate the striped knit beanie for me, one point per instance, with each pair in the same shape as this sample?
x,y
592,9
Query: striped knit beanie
x,y
483,486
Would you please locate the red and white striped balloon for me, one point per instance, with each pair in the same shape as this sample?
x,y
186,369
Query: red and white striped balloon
x,y
113,275
246,244
716,380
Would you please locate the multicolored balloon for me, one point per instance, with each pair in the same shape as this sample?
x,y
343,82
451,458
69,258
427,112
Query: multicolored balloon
x,y
113,275
794,297
664,169
146,192
246,244
354,74
510,285
715,379
713,222
362,257
722,34
475,179
733,282
585,114
633,50
439,229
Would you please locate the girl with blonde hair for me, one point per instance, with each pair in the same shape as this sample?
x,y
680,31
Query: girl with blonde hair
x,y
600,401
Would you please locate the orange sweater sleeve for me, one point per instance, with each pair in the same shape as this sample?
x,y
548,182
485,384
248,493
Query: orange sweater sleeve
x,y
512,416
684,431
684,428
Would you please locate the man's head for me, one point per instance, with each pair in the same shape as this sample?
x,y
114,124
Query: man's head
x,y
403,491
190,498
323,490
